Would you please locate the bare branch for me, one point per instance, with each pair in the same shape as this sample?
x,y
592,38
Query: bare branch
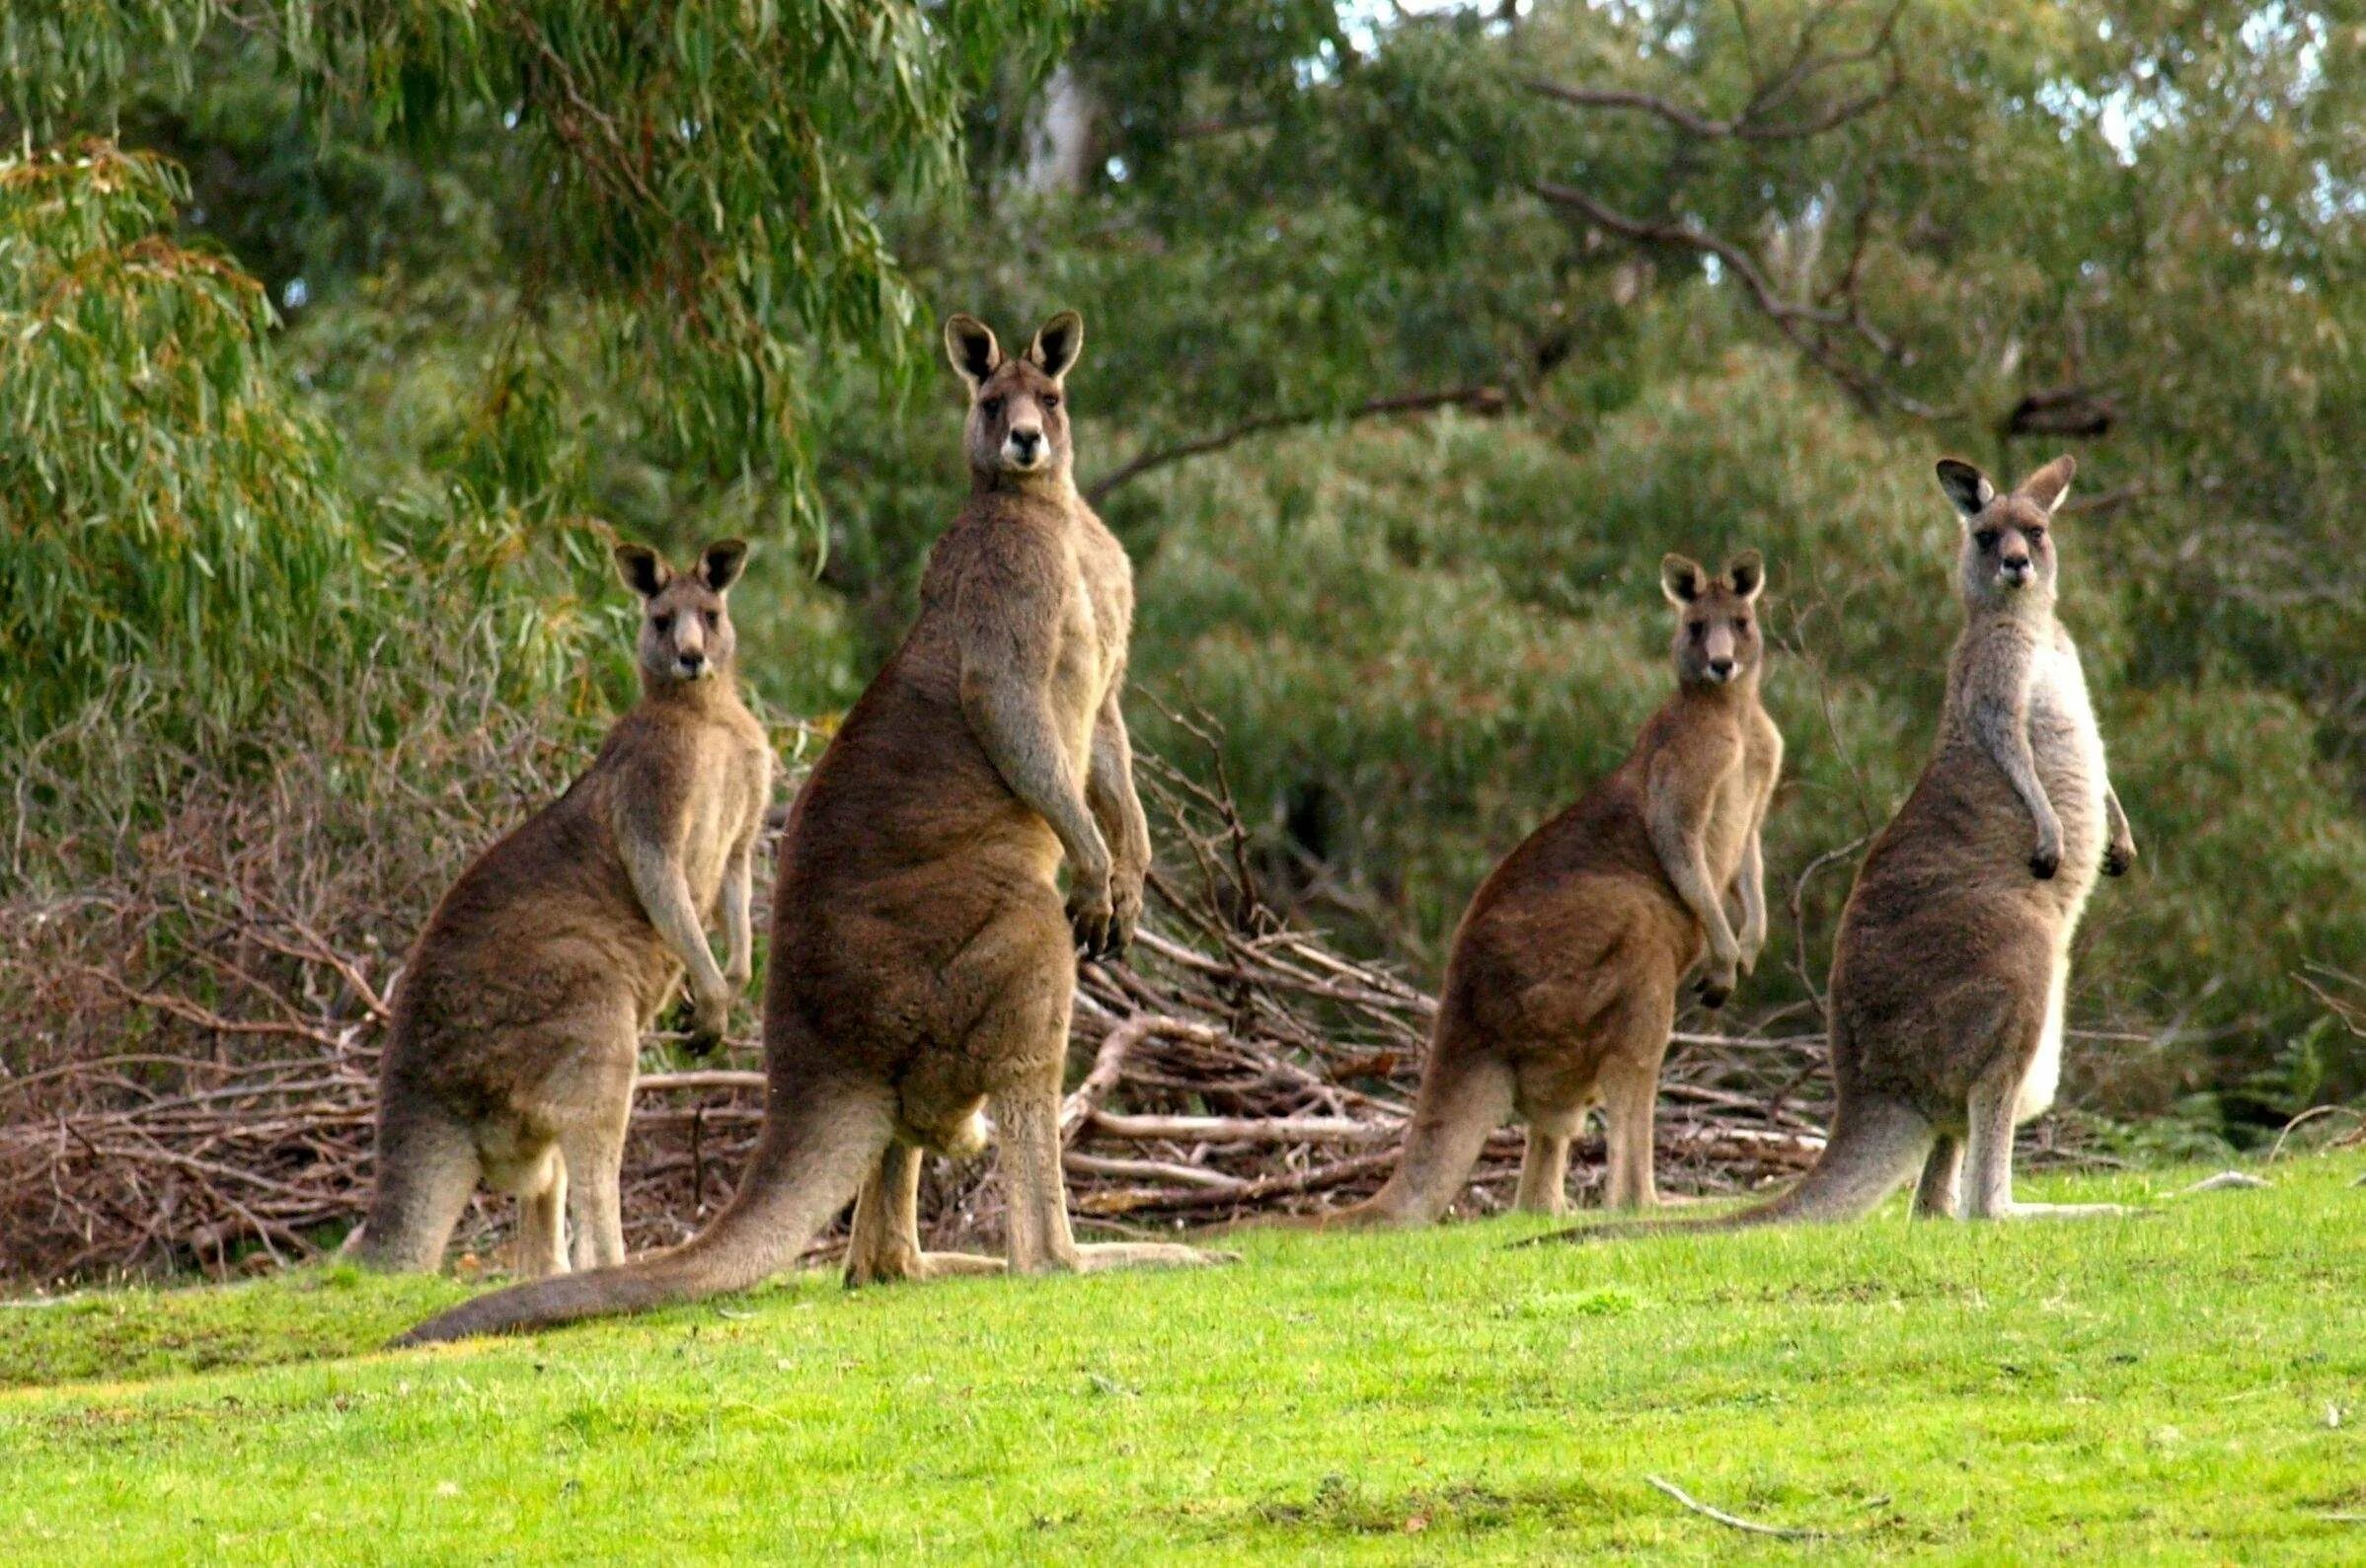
x,y
1807,327
1477,400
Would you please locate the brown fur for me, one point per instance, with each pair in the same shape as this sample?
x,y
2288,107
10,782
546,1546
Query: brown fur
x,y
1953,951
520,1015
1561,988
922,960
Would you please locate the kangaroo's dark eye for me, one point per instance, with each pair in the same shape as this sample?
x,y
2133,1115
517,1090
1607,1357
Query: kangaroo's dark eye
x,y
991,407
1742,626
1987,538
1051,400
664,623
1699,630
2036,537
713,619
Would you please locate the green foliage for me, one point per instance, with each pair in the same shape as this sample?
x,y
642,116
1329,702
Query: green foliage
x,y
701,176
169,509
2172,1388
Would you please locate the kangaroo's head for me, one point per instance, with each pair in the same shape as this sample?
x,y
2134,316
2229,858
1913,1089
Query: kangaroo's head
x,y
1716,618
2007,538
1017,433
685,625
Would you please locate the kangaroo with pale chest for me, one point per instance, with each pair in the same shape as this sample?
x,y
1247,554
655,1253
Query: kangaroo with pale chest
x,y
518,1018
1562,985
923,960
1950,972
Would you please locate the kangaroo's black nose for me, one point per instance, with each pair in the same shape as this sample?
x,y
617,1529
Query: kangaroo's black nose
x,y
1025,440
1721,668
692,663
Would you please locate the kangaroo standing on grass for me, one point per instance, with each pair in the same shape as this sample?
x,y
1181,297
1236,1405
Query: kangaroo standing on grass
x,y
1561,988
922,960
518,1019
1953,954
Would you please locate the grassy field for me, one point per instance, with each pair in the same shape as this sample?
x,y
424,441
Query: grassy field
x,y
2189,1386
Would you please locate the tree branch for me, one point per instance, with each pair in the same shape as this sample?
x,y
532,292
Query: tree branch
x,y
1478,400
1771,112
1754,122
1807,327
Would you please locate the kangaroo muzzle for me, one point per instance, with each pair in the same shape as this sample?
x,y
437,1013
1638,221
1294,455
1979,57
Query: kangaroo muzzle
x,y
1025,448
1717,656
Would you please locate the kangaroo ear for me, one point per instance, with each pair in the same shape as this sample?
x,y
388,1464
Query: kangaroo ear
x,y
2049,487
1747,573
721,562
1057,344
1682,578
642,570
970,344
1965,486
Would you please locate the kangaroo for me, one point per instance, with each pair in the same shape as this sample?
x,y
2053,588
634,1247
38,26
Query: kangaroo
x,y
1562,984
520,1015
1953,954
923,960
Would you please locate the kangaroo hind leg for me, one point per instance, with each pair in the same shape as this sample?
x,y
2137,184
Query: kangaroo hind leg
x,y
594,1150
540,1246
886,1243
1545,1165
1028,1119
1938,1195
1995,1111
1636,1042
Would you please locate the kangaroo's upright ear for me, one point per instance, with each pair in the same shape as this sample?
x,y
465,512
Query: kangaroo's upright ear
x,y
970,344
1965,486
1682,578
641,570
1747,573
2049,487
1057,344
721,562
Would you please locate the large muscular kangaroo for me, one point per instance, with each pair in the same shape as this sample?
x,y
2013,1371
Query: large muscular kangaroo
x,y
1561,988
922,961
519,1016
1949,975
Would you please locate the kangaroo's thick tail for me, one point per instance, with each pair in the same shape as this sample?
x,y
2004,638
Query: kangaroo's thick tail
x,y
426,1165
1876,1146
812,1158
1457,1109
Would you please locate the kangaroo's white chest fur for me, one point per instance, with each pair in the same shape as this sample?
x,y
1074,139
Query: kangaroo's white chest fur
x,y
2068,750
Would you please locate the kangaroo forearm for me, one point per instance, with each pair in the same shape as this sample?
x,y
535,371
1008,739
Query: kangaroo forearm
x,y
1701,896
2116,818
1754,886
1020,740
1689,873
665,898
739,938
2004,734
1110,790
1124,828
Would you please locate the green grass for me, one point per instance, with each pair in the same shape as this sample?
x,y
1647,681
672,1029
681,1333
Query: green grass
x,y
2186,1386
